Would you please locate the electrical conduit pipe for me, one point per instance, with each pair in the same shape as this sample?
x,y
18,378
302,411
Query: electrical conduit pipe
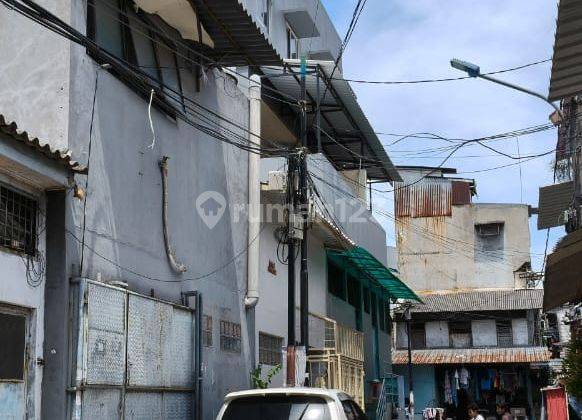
x,y
252,296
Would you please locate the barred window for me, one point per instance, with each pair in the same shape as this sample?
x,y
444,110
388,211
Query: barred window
x,y
270,349
207,330
17,221
229,336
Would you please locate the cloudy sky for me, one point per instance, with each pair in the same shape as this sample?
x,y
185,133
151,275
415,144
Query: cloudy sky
x,y
415,39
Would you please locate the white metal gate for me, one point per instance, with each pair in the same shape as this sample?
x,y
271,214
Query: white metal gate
x,y
135,356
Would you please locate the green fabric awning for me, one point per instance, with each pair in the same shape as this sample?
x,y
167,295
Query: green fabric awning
x,y
363,261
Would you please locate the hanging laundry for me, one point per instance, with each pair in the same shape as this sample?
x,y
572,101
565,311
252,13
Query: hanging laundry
x,y
448,391
464,378
456,380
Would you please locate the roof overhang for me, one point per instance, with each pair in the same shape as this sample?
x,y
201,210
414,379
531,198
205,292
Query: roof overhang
x,y
492,355
347,138
563,276
566,77
32,162
238,39
365,263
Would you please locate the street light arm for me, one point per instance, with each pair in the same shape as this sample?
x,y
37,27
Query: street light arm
x,y
524,90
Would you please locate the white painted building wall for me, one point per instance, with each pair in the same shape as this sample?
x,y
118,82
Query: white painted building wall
x,y
520,332
484,333
437,334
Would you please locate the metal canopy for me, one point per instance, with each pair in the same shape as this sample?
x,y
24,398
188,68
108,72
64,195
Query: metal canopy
x,y
238,39
492,355
366,263
566,78
347,138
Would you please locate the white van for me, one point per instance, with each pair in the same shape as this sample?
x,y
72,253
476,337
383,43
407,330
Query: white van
x,y
290,404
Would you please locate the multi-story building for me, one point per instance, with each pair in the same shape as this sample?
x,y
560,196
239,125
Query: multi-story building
x,y
145,305
478,329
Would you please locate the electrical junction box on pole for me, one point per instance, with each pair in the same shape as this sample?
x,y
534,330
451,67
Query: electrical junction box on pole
x,y
296,226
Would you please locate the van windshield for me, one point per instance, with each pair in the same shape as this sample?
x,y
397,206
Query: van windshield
x,y
277,407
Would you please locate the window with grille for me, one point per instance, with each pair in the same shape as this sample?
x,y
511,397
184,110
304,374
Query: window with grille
x,y
460,334
418,335
17,221
270,349
504,333
230,336
207,330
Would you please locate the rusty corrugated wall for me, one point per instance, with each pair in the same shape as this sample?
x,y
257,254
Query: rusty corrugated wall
x,y
461,193
428,198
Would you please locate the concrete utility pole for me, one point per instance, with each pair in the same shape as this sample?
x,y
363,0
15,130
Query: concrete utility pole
x,y
291,176
408,316
304,286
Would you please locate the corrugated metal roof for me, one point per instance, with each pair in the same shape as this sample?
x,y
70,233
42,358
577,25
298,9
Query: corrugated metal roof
x,y
566,78
61,156
238,39
482,300
466,356
553,200
341,117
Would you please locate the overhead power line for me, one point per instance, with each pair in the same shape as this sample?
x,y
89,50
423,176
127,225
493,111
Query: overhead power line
x,y
444,79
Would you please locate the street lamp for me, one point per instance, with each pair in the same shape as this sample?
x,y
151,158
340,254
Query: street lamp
x,y
473,70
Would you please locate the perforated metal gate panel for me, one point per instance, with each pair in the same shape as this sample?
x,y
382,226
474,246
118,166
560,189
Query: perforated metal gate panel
x,y
157,379
105,335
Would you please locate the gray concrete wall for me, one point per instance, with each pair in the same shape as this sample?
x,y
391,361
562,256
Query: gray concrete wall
x,y
437,334
484,333
35,74
16,290
124,220
439,253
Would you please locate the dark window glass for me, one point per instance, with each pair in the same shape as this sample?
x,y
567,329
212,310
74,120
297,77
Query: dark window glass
x,y
353,292
143,47
374,305
336,281
353,410
366,299
381,315
170,74
108,32
275,407
118,29
417,335
13,333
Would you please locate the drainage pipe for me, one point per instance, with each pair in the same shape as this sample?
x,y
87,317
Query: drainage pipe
x,y
254,219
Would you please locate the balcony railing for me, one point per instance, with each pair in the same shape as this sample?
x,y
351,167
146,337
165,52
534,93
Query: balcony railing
x,y
339,363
